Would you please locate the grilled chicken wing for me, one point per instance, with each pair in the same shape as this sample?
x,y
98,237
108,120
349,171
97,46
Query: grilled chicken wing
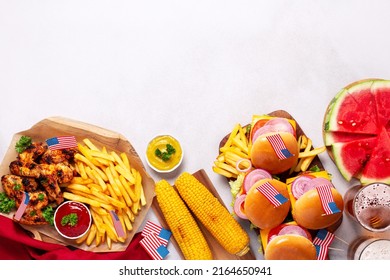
x,y
58,156
63,173
14,186
32,152
53,190
27,169
33,213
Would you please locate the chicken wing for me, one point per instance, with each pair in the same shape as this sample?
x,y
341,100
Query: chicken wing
x,y
32,152
58,156
14,185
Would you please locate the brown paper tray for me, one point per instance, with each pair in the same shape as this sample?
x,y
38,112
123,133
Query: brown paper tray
x,y
218,252
57,126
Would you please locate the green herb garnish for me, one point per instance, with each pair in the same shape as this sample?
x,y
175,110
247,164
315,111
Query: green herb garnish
x,y
23,143
315,168
6,203
165,155
48,214
70,219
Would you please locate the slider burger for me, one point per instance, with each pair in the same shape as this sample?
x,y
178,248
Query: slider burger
x,y
274,146
315,203
267,203
288,241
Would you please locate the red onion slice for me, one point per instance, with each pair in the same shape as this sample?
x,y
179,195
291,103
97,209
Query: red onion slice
x,y
281,124
240,162
300,185
274,125
238,206
253,176
293,229
263,130
316,182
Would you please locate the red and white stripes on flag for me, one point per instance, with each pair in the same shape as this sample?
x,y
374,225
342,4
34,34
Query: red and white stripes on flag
x,y
61,142
151,243
272,194
153,228
327,201
117,224
278,146
322,242
22,207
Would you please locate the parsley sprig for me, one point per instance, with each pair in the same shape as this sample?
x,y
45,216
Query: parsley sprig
x,y
165,155
6,204
70,219
23,143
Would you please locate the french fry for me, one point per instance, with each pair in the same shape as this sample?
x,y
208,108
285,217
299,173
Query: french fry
x,y
81,181
127,188
90,145
125,173
91,235
83,238
79,187
82,199
81,170
125,160
113,184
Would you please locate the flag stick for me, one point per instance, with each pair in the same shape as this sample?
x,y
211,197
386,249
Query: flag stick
x,y
335,249
345,242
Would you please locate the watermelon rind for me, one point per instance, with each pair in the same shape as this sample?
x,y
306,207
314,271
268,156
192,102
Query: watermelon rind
x,y
378,89
333,108
351,157
331,137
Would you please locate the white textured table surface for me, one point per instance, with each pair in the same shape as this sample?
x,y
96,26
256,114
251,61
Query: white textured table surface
x,y
189,68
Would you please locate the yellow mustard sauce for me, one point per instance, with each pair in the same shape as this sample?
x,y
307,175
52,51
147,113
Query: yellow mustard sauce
x,y
160,142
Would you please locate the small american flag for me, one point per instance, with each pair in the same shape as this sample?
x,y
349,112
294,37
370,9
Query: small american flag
x,y
279,147
61,142
272,194
151,244
22,207
117,224
322,242
327,202
163,234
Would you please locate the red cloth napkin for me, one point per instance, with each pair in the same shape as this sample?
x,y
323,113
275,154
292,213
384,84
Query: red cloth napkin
x,y
16,244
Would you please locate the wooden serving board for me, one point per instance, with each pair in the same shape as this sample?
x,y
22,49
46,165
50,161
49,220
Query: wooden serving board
x,y
283,114
219,253
283,176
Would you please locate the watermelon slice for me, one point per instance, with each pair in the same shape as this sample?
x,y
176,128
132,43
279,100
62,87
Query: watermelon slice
x,y
361,93
344,114
377,168
332,137
356,131
381,91
351,157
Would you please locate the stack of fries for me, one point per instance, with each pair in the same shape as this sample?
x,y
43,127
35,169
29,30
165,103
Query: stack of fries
x,y
234,154
110,186
307,154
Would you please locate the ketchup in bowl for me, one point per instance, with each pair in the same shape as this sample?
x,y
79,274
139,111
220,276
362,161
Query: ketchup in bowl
x,y
72,219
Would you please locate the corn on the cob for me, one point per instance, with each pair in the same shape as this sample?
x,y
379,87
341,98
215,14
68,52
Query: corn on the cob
x,y
184,228
213,215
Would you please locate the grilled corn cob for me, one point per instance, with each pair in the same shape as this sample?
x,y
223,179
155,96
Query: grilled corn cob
x,y
184,228
213,215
